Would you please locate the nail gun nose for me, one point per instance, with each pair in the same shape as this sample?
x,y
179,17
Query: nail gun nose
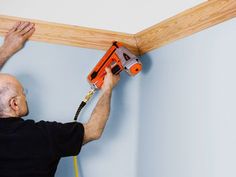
x,y
135,69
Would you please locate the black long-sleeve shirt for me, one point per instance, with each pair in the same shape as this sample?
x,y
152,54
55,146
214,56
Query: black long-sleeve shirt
x,y
33,149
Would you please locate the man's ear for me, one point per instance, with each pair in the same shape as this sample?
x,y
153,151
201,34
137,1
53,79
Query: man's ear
x,y
14,104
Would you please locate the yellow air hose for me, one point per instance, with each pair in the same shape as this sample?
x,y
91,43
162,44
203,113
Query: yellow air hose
x,y
82,104
76,166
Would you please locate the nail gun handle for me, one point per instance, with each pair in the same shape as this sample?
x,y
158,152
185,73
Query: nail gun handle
x,y
115,70
110,59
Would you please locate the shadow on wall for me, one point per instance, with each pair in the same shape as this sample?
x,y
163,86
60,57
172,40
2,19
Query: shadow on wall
x,y
144,108
32,89
147,64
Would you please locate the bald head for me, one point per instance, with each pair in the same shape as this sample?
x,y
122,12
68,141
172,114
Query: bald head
x,y
12,98
9,79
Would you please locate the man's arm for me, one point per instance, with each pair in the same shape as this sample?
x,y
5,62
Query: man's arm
x,y
15,40
94,127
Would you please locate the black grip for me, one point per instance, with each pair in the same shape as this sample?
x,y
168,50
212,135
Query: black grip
x,y
116,69
93,75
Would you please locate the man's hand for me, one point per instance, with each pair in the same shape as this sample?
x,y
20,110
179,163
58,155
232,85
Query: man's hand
x,y
16,37
110,80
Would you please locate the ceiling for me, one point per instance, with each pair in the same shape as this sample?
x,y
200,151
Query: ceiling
x,y
129,16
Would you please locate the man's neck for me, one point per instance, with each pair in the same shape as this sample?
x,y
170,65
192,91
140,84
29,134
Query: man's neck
x,y
8,115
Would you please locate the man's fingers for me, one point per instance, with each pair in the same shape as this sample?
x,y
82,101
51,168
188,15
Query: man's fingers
x,y
117,77
22,26
108,70
29,33
14,27
27,29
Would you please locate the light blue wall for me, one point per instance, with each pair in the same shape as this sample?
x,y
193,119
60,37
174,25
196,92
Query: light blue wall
x,y
187,123
176,119
55,77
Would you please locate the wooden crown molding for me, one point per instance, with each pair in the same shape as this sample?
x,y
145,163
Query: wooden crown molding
x,y
71,35
184,24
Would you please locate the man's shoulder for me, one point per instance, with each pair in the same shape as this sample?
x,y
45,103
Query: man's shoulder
x,y
40,123
52,124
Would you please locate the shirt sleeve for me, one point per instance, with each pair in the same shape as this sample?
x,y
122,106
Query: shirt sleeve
x,y
66,139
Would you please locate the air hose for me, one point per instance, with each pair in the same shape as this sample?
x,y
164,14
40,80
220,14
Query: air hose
x,y
83,103
81,106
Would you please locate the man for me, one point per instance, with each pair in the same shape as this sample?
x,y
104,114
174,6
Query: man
x,y
33,149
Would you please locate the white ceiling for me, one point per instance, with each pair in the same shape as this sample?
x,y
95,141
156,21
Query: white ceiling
x,y
128,16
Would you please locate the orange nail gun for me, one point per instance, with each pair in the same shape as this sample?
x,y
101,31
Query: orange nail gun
x,y
118,58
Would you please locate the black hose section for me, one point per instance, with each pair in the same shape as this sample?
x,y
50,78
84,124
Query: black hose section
x,y
82,104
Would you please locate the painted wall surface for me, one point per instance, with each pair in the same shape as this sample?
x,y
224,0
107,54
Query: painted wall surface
x,y
187,123
176,119
129,16
55,79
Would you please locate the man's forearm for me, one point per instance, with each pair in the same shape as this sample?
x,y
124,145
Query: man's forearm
x,y
101,112
4,56
99,117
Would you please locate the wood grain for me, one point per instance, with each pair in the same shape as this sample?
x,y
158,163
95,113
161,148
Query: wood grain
x,y
186,23
71,35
